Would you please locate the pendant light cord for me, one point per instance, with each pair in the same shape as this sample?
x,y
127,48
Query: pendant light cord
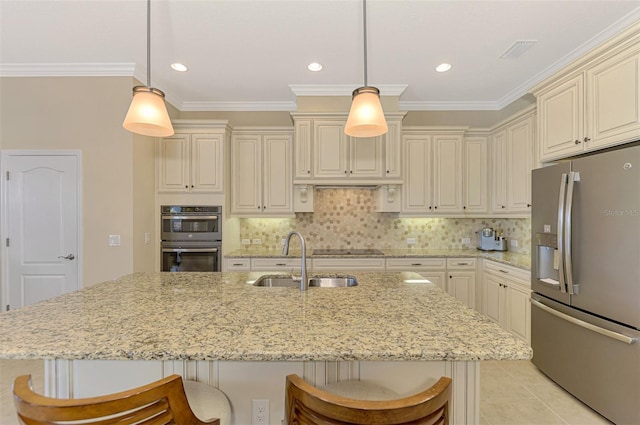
x,y
149,43
364,20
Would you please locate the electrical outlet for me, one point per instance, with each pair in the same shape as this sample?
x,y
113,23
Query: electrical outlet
x,y
246,242
256,241
411,241
259,412
514,243
114,240
466,241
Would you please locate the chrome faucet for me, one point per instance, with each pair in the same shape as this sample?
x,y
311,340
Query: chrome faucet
x,y
304,283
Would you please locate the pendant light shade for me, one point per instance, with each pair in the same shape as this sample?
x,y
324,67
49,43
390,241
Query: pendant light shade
x,y
147,113
366,118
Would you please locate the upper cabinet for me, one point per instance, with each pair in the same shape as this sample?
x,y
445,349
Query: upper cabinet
x,y
261,172
192,160
475,185
432,171
594,103
323,154
512,162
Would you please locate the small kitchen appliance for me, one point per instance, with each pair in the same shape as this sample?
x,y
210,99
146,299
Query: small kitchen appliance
x,y
488,241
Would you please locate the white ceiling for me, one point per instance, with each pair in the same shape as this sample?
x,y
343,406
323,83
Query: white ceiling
x,y
252,54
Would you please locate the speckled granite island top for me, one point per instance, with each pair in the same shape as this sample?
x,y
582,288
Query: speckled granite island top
x,y
209,316
515,259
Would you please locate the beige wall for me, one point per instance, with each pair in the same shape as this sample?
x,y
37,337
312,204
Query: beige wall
x,y
86,113
144,213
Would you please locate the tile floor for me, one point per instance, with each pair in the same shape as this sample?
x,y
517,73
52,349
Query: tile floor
x,y
511,393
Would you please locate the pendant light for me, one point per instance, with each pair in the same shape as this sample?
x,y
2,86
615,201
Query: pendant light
x,y
366,118
147,113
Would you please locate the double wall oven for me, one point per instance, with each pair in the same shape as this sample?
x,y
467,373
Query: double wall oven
x,y
191,238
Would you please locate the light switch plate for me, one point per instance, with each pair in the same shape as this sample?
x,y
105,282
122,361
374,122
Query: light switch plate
x,y
114,240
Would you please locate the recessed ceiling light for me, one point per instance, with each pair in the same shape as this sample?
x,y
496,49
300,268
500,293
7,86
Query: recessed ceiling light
x,y
315,67
443,67
179,67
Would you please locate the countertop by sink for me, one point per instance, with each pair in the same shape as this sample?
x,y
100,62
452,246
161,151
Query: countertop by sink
x,y
512,258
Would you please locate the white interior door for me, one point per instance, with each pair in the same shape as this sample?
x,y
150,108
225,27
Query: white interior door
x,y
42,225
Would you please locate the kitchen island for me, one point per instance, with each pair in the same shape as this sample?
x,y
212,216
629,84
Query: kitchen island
x,y
393,328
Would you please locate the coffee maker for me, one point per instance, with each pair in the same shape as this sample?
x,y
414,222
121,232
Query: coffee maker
x,y
488,241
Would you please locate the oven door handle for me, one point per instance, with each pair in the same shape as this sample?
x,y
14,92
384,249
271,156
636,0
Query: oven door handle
x,y
190,217
189,249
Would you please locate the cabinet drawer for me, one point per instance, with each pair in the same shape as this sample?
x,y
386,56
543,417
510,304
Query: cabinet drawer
x,y
348,264
506,271
461,263
279,264
411,264
238,264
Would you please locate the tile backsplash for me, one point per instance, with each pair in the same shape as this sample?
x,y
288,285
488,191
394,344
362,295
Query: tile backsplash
x,y
346,218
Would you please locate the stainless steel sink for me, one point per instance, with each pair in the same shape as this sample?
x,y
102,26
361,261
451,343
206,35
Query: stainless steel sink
x,y
316,281
333,282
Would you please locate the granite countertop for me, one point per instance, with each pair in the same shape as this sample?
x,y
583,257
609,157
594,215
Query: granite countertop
x,y
515,259
209,316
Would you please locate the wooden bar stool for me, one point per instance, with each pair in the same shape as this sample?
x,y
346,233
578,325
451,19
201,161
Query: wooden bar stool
x,y
306,404
163,401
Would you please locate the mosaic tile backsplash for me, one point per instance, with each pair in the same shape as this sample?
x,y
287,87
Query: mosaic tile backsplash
x,y
346,218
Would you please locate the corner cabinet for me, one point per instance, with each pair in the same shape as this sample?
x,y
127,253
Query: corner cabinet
x,y
432,171
261,172
192,160
512,162
594,103
323,154
506,292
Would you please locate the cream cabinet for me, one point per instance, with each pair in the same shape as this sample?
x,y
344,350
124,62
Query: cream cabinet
x,y
475,187
192,160
237,264
432,269
323,154
284,264
593,104
345,265
432,172
505,298
261,164
461,282
512,162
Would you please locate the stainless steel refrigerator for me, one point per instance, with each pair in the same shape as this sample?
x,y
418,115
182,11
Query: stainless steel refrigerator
x,y
585,279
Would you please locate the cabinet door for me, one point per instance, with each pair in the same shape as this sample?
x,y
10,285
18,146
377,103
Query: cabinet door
x,y
329,150
437,278
492,298
246,181
461,285
417,174
392,151
518,312
447,174
277,184
476,176
519,165
302,149
561,120
207,162
613,96
499,172
173,163
365,156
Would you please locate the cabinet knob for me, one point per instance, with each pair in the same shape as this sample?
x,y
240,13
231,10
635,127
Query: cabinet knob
x,y
186,186
259,207
308,171
528,205
450,277
464,207
351,171
436,207
345,171
387,171
501,206
429,206
586,139
191,186
577,142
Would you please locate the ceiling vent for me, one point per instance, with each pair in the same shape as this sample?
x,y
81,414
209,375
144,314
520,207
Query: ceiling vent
x,y
517,49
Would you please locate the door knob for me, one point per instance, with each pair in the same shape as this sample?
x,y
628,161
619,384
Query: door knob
x,y
68,257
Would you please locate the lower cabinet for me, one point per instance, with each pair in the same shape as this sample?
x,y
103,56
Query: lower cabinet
x,y
506,291
345,265
432,269
461,280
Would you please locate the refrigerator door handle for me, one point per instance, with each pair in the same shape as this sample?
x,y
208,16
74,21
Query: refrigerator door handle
x,y
561,208
574,176
602,331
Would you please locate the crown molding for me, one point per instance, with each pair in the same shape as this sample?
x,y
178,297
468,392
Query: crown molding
x,y
448,106
238,106
343,89
67,69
